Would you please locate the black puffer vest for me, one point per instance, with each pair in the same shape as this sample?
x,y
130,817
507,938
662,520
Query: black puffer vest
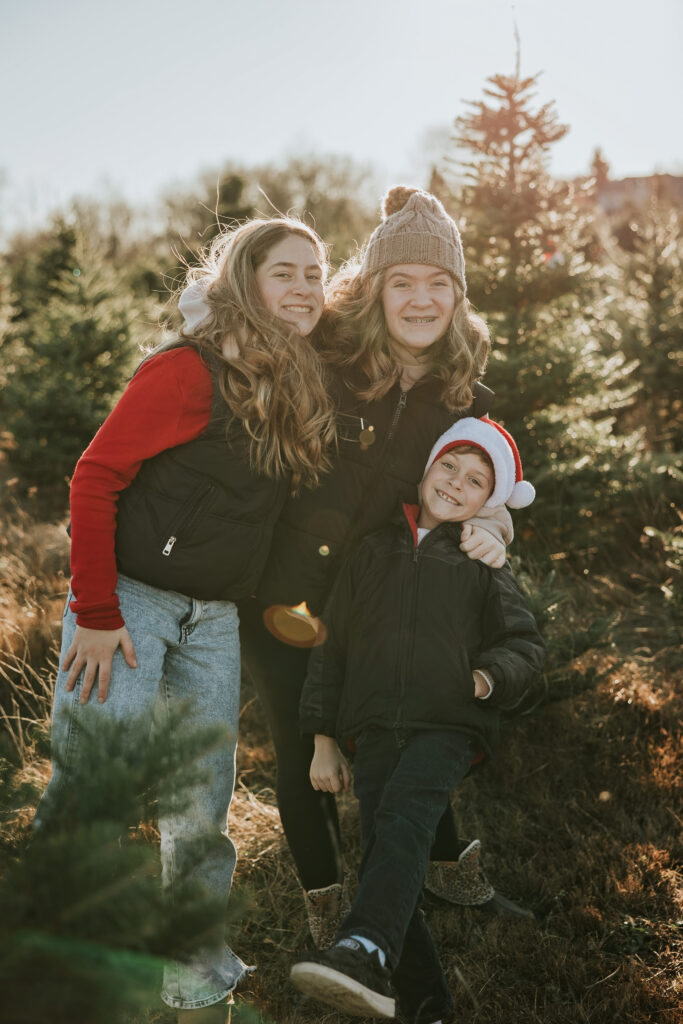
x,y
197,519
382,450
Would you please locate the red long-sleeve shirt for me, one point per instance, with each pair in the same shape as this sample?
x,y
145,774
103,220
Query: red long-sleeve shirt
x,y
167,403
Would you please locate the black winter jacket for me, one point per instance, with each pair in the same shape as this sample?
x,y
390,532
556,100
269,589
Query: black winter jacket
x,y
197,519
318,529
407,625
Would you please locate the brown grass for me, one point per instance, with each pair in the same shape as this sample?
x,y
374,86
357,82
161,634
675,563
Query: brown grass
x,y
580,819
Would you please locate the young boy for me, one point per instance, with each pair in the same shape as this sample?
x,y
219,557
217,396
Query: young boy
x,y
424,648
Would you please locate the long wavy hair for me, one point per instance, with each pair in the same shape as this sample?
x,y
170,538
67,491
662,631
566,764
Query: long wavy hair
x,y
274,379
357,325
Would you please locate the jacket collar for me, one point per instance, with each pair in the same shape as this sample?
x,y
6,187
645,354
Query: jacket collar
x,y
409,514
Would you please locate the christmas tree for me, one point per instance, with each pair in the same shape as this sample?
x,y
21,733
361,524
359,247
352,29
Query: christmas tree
x,y
65,356
530,243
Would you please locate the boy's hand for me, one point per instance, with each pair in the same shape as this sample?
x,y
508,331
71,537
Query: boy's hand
x,y
481,546
93,649
329,769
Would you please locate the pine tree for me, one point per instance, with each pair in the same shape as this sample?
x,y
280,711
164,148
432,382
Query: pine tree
x,y
649,306
527,241
36,262
85,925
65,359
599,169
192,223
335,195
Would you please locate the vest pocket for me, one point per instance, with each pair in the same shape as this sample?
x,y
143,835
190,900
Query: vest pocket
x,y
186,517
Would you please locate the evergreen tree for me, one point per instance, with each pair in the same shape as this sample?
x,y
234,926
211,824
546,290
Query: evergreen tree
x,y
36,262
85,926
335,195
527,239
649,307
192,222
599,169
65,359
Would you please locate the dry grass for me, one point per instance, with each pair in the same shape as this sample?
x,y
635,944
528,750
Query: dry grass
x,y
580,819
34,560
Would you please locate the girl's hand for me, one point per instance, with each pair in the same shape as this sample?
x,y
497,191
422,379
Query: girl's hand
x,y
481,546
329,769
94,650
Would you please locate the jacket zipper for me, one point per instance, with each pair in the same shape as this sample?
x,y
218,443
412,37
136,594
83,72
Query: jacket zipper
x,y
414,569
187,519
352,537
397,415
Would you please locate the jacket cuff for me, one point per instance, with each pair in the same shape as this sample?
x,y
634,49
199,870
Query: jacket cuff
x,y
488,679
310,726
497,521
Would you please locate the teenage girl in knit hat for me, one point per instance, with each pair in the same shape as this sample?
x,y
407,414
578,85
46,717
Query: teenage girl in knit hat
x,y
405,355
172,510
424,649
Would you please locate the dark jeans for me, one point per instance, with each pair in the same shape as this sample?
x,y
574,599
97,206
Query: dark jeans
x,y
309,818
403,780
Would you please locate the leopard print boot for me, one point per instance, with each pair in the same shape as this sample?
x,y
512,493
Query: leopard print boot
x,y
464,883
326,909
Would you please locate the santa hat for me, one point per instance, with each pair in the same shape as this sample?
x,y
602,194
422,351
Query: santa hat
x,y
509,488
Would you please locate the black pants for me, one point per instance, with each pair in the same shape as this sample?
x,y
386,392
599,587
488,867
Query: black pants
x,y
403,780
309,818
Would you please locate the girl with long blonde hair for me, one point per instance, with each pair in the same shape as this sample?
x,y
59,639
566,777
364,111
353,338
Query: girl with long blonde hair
x,y
172,510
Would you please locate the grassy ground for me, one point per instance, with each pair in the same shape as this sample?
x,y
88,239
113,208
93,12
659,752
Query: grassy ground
x,y
580,817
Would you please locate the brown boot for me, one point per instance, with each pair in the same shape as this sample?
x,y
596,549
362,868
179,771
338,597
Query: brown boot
x,y
464,883
326,909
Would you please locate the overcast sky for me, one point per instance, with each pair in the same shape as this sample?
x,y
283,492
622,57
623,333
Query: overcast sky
x,y
136,96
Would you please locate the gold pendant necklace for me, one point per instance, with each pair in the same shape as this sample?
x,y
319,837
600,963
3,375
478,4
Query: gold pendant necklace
x,y
366,436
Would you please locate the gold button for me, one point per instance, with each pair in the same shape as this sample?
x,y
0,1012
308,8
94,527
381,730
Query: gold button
x,y
323,550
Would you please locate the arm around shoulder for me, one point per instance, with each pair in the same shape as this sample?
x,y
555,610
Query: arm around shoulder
x,y
486,535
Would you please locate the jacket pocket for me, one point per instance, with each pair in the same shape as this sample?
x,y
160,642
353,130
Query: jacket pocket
x,y
185,518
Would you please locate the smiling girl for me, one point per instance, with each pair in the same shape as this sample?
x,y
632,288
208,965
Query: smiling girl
x,y
172,510
405,356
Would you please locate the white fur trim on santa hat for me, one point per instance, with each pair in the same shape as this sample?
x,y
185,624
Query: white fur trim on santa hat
x,y
509,487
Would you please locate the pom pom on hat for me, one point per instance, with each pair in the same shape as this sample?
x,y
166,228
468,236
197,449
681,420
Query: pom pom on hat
x,y
509,487
396,198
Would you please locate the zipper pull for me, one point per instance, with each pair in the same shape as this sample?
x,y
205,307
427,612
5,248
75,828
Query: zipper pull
x,y
169,546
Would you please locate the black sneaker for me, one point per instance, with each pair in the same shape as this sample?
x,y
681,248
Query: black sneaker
x,y
427,1015
348,978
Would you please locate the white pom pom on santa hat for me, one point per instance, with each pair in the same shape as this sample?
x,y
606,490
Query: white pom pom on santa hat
x,y
509,488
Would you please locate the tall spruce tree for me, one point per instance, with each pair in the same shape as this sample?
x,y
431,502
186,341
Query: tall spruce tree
x,y
527,241
649,308
64,358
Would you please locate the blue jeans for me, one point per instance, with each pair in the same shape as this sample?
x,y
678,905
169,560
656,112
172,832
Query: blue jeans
x,y
403,781
187,653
